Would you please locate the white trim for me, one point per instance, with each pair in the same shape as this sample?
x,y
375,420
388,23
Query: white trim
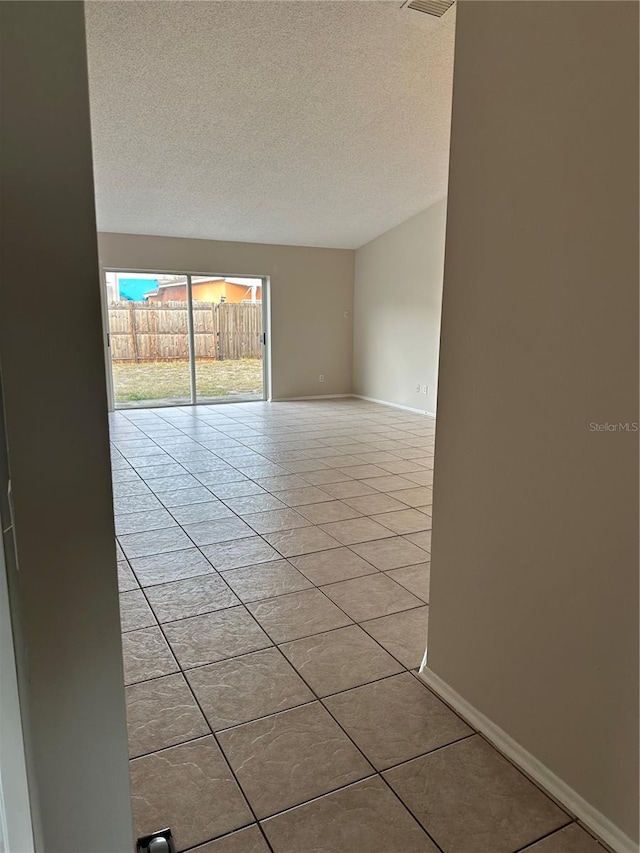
x,y
191,341
166,271
594,820
266,329
394,405
104,307
312,397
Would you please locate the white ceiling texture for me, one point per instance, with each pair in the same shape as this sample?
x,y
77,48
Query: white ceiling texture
x,y
303,122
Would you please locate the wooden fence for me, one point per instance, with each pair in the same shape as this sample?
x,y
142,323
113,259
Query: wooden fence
x,y
140,331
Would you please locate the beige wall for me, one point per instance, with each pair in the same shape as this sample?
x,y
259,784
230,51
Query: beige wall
x,y
534,580
311,289
398,292
64,598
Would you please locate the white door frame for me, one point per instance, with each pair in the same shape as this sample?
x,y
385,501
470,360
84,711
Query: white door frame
x,y
266,339
106,339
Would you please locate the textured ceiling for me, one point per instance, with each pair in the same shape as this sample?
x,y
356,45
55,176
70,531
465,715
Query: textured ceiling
x,y
306,123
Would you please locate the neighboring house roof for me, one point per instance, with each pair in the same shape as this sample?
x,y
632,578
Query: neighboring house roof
x,y
162,284
181,282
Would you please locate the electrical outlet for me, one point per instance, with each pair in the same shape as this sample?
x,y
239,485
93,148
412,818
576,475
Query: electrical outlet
x,y
425,389
418,388
321,377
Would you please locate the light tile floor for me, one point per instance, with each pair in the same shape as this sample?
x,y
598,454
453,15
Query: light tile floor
x,y
274,575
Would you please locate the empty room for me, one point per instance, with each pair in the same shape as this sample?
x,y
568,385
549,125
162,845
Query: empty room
x,y
319,444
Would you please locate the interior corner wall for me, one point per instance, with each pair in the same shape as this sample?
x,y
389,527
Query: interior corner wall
x,y
534,577
63,585
398,293
311,292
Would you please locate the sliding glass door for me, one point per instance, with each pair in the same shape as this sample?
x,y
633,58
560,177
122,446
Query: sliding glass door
x,y
228,326
177,339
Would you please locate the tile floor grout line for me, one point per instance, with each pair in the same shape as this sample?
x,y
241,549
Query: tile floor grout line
x,y
319,700
377,572
372,775
419,822
524,773
346,733
273,644
377,772
252,450
273,491
221,574
222,501
606,847
213,734
243,603
546,835
435,749
152,491
200,844
265,563
480,734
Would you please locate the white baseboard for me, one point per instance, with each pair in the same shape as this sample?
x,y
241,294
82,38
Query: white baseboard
x,y
356,396
394,405
310,397
592,819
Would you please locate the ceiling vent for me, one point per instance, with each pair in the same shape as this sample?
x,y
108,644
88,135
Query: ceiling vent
x,y
430,7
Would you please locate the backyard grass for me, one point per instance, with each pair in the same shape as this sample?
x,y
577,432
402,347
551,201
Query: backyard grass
x,y
169,380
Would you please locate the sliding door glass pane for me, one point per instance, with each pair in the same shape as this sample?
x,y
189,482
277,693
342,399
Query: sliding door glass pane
x,y
227,323
149,340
